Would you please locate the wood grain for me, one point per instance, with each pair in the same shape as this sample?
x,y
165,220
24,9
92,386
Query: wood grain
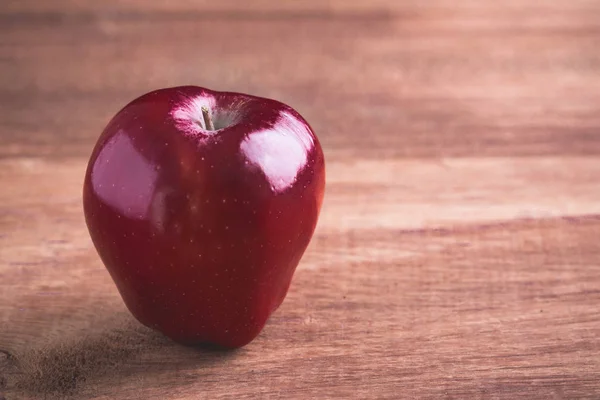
x,y
457,255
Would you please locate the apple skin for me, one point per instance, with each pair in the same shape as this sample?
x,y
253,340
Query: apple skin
x,y
201,230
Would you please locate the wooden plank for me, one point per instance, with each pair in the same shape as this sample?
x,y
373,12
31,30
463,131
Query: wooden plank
x,y
338,6
405,87
417,286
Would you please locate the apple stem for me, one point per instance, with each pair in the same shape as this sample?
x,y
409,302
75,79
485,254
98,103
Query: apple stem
x,y
208,123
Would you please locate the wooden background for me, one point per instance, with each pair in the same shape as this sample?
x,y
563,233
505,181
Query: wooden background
x,y
457,255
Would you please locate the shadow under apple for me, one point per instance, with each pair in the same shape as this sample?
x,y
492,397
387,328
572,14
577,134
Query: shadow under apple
x,y
89,361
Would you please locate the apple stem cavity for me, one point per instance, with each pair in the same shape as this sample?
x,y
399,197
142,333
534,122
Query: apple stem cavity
x,y
208,123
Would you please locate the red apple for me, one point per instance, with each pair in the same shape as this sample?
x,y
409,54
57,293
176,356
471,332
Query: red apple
x,y
201,227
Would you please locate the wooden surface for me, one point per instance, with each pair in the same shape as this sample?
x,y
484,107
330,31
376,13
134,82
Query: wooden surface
x,y
458,253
